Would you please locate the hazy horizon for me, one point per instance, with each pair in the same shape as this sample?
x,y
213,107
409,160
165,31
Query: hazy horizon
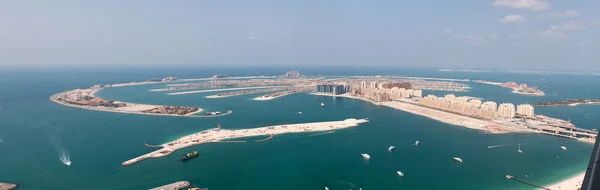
x,y
495,34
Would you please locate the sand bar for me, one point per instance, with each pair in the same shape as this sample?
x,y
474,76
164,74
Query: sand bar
x,y
221,89
570,183
215,135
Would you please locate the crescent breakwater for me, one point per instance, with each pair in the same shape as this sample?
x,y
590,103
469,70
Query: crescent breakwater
x,y
216,135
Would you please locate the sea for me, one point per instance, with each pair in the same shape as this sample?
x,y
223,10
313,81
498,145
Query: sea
x,y
36,133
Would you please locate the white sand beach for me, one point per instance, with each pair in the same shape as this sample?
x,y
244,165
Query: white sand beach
x,y
216,135
220,89
571,183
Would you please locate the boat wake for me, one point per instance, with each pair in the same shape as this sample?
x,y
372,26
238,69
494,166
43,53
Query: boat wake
x,y
496,146
589,116
323,133
61,151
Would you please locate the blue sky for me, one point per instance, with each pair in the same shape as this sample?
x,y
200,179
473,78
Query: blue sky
x,y
506,34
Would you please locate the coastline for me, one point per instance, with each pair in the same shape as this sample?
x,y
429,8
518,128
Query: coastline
x,y
263,98
445,117
221,89
216,135
573,182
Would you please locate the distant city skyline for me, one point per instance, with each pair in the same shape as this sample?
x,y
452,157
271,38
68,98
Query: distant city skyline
x,y
492,34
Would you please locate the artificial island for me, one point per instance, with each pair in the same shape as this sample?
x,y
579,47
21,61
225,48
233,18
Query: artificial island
x,y
398,92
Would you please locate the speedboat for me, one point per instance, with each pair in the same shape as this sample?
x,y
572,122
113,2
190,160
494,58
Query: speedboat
x,y
322,104
391,148
458,159
563,147
400,173
417,143
366,156
519,150
68,163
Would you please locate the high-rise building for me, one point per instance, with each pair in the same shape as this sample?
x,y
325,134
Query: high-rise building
x,y
489,105
525,110
506,110
363,84
417,93
373,85
405,85
449,96
475,103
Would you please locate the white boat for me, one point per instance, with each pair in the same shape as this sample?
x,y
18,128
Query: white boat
x,y
391,148
322,104
326,188
400,173
563,147
519,150
458,159
68,163
366,156
417,143
299,112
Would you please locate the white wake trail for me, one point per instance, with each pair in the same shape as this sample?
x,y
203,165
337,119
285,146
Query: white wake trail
x,y
496,146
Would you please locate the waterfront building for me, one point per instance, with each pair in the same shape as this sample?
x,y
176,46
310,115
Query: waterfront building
x,y
525,110
373,85
363,84
449,96
405,85
506,110
418,93
475,103
331,89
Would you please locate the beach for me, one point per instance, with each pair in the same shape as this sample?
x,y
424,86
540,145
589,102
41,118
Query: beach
x,y
216,135
571,183
221,89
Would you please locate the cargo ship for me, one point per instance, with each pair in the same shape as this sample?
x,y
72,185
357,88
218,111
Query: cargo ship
x,y
189,155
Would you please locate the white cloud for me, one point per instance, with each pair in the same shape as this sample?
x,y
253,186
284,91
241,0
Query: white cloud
x,y
513,19
576,25
475,40
252,38
551,33
534,5
493,36
558,15
447,31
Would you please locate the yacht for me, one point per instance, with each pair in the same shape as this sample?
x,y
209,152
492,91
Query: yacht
x,y
519,150
391,148
322,104
563,147
458,159
417,143
366,156
400,173
326,188
68,162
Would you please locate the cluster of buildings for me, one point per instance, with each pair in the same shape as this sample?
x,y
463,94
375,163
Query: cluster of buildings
x,y
475,107
220,76
176,110
166,79
293,74
386,91
333,89
83,97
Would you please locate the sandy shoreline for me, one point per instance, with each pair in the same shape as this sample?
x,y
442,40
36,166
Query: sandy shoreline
x,y
215,135
221,89
571,183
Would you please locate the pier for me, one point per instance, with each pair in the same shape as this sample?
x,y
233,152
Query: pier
x,y
173,186
526,182
268,138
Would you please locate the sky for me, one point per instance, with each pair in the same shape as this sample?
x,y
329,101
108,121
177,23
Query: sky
x,y
494,34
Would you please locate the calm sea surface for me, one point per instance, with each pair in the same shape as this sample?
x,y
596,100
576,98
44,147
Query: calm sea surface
x,y
33,131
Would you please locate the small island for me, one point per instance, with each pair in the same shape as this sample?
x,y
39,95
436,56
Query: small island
x,y
7,186
570,102
517,89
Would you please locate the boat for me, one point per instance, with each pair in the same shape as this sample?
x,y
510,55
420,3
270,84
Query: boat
x,y
391,148
458,159
366,156
68,162
417,143
400,173
189,155
519,150
563,147
196,188
299,112
322,104
326,188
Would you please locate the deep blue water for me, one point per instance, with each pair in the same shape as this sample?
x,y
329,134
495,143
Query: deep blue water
x,y
31,126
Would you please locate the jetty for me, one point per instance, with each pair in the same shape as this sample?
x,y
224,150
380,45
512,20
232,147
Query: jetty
x,y
526,182
215,135
173,186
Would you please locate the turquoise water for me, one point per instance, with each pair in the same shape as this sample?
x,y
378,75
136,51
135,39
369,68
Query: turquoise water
x,y
99,141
